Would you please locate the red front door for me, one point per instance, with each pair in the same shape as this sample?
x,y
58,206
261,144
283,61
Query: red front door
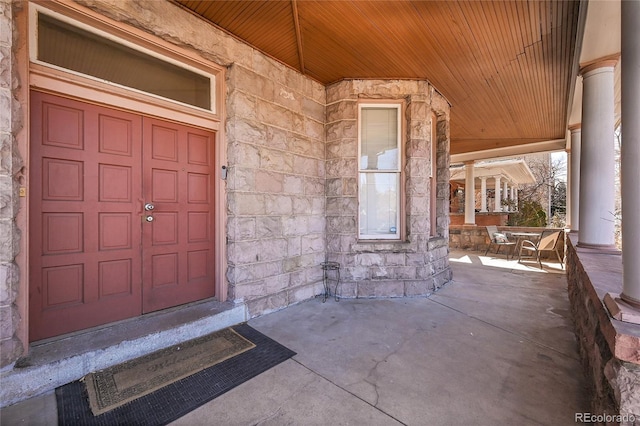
x,y
178,243
94,257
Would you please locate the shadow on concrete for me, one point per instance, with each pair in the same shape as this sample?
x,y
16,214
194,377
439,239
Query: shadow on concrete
x,y
494,346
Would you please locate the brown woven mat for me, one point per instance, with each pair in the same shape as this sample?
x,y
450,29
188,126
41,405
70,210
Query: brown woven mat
x,y
115,386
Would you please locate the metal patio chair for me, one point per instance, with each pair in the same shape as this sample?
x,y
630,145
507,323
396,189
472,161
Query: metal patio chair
x,y
547,242
498,239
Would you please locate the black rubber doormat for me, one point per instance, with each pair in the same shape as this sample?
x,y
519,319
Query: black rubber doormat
x,y
179,398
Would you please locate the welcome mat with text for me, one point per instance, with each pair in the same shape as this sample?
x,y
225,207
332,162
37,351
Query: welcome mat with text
x,y
161,387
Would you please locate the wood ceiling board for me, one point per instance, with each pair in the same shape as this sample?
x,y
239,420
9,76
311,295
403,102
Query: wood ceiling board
x,y
459,46
333,50
505,66
494,90
268,26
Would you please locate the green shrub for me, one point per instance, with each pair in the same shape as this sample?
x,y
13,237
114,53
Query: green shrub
x,y
530,213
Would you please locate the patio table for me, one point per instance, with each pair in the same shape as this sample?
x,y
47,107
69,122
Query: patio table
x,y
523,236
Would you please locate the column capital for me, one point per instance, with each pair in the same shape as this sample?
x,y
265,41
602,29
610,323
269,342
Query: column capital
x,y
606,61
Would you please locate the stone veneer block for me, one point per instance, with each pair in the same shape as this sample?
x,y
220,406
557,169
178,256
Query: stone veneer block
x,y
348,289
266,304
422,287
369,289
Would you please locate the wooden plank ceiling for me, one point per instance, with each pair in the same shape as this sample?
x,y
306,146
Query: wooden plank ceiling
x,y
505,66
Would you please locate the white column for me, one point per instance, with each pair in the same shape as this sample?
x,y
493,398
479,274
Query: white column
x,y
515,198
469,194
512,197
567,219
496,201
574,177
483,194
597,159
505,196
630,154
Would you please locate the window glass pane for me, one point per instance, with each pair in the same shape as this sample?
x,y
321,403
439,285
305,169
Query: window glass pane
x,y
379,139
75,49
379,204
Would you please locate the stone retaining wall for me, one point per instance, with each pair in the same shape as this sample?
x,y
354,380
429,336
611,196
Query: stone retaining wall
x,y
609,349
476,238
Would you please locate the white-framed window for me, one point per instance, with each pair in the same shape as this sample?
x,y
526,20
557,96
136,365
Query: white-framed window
x,y
379,170
63,43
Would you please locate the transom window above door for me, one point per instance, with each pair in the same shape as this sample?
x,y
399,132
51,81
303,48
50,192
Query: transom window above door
x,y
65,44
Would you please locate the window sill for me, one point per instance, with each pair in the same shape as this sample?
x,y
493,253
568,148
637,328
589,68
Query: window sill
x,y
400,246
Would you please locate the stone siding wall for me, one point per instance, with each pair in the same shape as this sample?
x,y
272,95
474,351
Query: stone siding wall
x,y
10,166
276,223
280,139
609,349
275,150
420,264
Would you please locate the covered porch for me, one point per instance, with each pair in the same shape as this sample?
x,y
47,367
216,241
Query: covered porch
x,y
543,76
494,346
505,176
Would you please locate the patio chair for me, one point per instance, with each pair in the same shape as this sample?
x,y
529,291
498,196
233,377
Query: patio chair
x,y
547,242
498,239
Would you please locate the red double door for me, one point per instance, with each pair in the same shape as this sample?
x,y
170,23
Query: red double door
x,y
121,215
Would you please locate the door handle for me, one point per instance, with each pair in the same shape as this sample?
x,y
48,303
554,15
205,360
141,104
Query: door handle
x,y
148,207
149,218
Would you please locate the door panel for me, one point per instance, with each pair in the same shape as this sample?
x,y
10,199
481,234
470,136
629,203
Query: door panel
x,y
178,243
85,266
94,259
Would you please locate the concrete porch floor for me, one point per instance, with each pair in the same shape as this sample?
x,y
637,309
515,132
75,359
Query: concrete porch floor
x,y
494,346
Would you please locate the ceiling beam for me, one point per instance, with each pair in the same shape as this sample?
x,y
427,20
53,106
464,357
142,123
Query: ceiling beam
x,y
296,23
461,146
509,151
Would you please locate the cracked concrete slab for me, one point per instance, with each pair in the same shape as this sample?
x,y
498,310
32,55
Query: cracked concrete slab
x,y
425,363
288,394
495,346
